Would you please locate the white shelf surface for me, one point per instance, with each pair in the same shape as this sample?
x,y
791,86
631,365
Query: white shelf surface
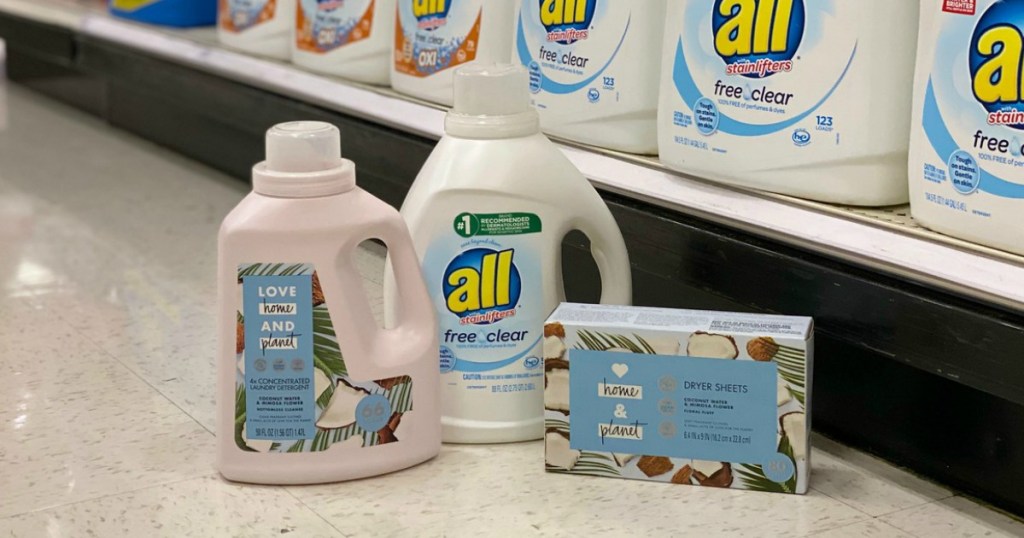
x,y
881,239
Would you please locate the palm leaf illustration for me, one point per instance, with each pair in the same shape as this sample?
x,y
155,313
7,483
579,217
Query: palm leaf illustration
x,y
325,398
275,269
796,394
596,341
326,353
647,347
591,463
786,448
755,479
560,425
240,418
792,364
606,340
587,341
400,396
594,456
319,442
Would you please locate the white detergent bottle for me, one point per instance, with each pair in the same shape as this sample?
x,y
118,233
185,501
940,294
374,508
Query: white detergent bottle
x,y
809,98
262,27
967,143
594,68
489,212
350,39
433,37
309,388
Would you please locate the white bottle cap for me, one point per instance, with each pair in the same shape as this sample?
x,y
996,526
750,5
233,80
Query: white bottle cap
x,y
303,161
492,101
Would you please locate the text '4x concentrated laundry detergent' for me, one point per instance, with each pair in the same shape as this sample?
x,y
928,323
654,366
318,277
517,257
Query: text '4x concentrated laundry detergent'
x,y
802,97
594,68
967,147
488,214
346,38
433,37
261,27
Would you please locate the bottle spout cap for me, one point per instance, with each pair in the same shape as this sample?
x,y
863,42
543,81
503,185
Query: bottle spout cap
x,y
304,160
303,147
492,101
492,90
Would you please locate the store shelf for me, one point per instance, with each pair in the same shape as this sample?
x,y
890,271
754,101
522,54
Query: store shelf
x,y
914,331
885,239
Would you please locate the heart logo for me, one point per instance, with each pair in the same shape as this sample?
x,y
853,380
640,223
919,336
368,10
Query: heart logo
x,y
620,369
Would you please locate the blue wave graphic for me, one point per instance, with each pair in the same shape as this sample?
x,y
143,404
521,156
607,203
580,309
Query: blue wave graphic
x,y
550,86
688,90
470,366
943,143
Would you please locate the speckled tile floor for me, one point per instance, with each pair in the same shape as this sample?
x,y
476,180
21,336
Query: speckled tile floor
x,y
107,255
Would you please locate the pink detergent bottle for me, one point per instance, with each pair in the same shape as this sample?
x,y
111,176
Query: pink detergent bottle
x,y
310,389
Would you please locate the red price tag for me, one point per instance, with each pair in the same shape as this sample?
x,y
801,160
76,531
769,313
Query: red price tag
x,y
962,7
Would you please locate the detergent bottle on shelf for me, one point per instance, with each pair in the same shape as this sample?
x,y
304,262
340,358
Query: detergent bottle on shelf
x,y
433,37
349,39
182,13
594,68
488,213
809,98
262,27
309,388
967,143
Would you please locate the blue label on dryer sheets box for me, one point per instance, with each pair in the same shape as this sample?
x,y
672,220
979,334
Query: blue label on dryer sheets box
x,y
673,406
688,397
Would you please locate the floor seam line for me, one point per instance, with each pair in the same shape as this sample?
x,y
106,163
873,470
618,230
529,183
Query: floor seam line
x,y
840,501
314,510
919,505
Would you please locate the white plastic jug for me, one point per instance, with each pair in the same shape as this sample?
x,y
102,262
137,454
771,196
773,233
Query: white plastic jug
x,y
594,68
262,27
489,212
967,144
309,388
433,37
809,98
350,39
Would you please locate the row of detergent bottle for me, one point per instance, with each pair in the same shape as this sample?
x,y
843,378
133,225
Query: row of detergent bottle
x,y
815,99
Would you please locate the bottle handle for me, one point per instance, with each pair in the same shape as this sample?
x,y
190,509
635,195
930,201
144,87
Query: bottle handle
x,y
415,323
609,251
390,351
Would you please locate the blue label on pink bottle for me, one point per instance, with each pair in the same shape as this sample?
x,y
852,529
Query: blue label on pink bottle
x,y
279,357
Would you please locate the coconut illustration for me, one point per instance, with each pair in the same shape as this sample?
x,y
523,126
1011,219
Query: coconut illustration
x,y
557,452
712,346
556,385
794,427
714,474
341,410
762,349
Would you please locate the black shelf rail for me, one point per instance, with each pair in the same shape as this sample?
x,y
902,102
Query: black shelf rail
x,y
917,375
